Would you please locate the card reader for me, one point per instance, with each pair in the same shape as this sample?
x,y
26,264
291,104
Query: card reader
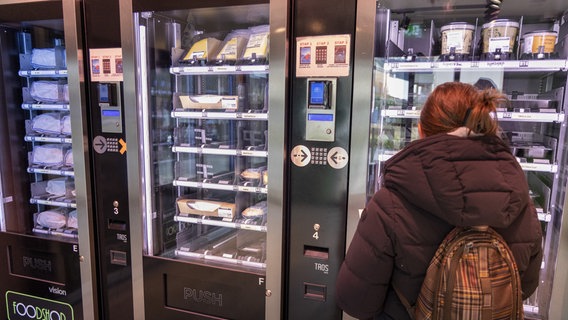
x,y
320,114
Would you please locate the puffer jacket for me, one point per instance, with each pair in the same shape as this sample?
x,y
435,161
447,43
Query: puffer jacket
x,y
429,187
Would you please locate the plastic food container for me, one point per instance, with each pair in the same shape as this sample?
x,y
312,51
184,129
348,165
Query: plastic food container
x,y
499,34
457,35
532,41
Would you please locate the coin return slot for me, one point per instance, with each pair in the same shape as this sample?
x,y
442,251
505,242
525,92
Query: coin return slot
x,y
316,252
116,225
314,291
118,257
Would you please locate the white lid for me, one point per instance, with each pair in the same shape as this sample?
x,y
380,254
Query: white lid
x,y
501,23
458,26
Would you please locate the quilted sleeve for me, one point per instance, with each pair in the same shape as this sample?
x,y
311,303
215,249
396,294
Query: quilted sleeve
x,y
530,276
365,274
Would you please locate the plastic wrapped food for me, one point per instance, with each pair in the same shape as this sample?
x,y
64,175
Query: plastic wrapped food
x,y
47,123
257,45
252,173
48,154
233,45
49,91
52,219
256,210
202,50
66,125
57,186
72,220
47,58
68,158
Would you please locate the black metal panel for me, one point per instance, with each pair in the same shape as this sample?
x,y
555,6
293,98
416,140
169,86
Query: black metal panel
x,y
102,23
39,273
110,185
112,219
317,193
176,290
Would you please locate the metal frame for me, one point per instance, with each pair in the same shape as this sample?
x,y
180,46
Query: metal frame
x,y
276,163
73,25
277,157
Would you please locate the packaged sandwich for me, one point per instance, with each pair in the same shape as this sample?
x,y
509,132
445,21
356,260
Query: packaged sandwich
x,y
206,208
257,45
209,101
200,52
233,46
257,210
252,173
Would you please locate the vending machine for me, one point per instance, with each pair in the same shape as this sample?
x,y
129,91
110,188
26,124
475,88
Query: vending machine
x,y
46,269
238,180
512,46
205,224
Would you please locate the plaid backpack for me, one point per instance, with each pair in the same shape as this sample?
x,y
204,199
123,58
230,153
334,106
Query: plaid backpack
x,y
473,275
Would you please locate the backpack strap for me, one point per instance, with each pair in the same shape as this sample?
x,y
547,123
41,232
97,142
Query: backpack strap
x,y
405,302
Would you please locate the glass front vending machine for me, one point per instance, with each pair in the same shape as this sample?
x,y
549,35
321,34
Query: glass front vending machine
x,y
199,174
43,189
513,46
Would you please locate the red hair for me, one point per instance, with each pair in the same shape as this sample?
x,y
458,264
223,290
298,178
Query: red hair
x,y
456,104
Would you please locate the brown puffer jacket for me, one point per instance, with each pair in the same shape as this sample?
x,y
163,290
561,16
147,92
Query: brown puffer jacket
x,y
427,188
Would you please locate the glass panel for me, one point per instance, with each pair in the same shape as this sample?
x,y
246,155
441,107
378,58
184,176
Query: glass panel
x,y
425,48
38,185
208,123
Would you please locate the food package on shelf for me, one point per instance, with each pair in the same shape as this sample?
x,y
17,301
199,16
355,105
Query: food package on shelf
x,y
48,58
52,219
233,46
49,91
49,154
206,208
58,186
209,102
68,161
253,173
257,45
47,123
66,125
72,220
257,210
201,51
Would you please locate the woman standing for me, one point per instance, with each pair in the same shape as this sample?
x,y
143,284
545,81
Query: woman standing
x,y
460,173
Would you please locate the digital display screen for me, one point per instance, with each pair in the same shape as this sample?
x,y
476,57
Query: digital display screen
x,y
111,113
320,117
317,92
104,95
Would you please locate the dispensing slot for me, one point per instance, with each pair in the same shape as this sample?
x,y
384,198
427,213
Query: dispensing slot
x,y
316,252
314,291
118,257
116,225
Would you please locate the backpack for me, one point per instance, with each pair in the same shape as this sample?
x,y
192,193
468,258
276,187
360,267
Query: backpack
x,y
473,275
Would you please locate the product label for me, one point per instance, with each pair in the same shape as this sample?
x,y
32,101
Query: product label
x,y
22,306
500,43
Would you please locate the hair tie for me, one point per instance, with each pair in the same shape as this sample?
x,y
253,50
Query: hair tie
x,y
467,113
